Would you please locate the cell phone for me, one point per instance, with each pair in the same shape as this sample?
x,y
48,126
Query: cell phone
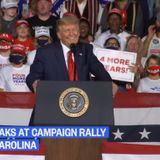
x,y
25,8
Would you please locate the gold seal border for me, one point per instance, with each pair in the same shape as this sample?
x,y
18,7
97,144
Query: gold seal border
x,y
70,90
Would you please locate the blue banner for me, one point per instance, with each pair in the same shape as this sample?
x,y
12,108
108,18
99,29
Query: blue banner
x,y
21,145
55,132
57,6
20,7
103,2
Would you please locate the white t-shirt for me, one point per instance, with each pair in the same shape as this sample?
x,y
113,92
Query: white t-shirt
x,y
30,57
122,38
4,61
13,79
154,46
148,85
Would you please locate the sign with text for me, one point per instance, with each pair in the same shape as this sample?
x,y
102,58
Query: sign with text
x,y
117,63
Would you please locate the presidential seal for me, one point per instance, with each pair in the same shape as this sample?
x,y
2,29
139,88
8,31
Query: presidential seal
x,y
74,102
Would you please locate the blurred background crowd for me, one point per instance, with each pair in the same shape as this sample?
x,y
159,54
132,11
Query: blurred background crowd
x,y
126,25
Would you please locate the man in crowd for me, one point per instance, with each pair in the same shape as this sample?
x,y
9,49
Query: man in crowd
x,y
53,62
44,18
135,13
84,8
114,22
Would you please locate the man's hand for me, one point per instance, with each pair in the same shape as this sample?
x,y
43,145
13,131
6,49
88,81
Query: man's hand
x,y
34,85
114,89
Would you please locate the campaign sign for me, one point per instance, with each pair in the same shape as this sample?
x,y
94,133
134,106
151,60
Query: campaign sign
x,y
117,63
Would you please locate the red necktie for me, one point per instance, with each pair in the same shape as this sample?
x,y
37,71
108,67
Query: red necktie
x,y
71,67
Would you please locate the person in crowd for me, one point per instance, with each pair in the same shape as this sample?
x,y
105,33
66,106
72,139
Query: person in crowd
x,y
135,13
13,77
151,42
9,16
134,44
23,36
114,22
42,38
85,32
112,42
84,8
151,82
6,41
55,61
43,18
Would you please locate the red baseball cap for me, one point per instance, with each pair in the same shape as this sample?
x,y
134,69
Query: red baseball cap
x,y
115,11
69,14
20,22
7,37
18,49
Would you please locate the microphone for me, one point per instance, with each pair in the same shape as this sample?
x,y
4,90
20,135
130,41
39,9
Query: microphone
x,y
73,47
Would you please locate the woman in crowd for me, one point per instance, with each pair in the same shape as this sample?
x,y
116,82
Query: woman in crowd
x,y
112,42
134,44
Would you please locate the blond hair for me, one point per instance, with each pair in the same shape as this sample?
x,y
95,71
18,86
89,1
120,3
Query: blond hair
x,y
66,20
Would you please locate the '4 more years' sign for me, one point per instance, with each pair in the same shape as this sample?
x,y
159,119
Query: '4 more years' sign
x,y
117,63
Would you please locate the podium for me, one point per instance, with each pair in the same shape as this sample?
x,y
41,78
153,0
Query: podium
x,y
73,104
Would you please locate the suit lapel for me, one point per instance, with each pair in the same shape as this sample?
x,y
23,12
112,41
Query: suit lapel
x,y
61,64
78,60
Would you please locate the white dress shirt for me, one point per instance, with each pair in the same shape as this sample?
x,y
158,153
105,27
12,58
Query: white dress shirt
x,y
65,52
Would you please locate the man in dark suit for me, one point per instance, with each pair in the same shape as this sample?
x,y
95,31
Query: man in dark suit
x,y
51,61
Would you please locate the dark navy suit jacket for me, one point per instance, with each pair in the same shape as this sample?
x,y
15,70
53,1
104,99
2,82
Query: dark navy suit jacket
x,y
49,64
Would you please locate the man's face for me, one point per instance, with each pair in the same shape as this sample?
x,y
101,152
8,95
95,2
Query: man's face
x,y
44,7
84,29
114,22
69,34
11,12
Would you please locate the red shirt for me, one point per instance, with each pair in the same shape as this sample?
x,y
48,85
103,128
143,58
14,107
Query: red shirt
x,y
28,44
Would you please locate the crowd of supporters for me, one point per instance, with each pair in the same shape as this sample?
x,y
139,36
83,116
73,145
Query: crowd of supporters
x,y
126,25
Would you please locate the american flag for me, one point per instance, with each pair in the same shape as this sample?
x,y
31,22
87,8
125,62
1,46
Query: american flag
x,y
136,134
24,155
121,151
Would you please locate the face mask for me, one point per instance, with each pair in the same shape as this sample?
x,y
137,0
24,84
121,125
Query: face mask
x,y
4,46
16,59
153,70
42,42
113,47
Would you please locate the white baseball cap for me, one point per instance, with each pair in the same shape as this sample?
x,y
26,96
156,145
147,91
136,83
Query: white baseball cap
x,y
42,31
9,3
